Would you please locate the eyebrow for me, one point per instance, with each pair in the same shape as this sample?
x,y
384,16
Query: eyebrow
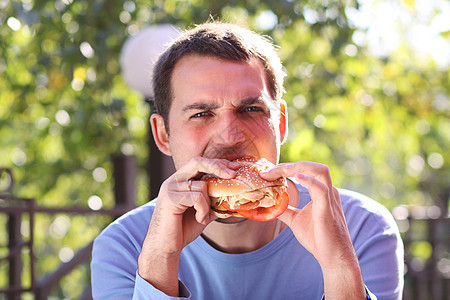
x,y
200,106
211,106
252,100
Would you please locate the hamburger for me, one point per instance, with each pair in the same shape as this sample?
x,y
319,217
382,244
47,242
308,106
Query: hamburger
x,y
248,195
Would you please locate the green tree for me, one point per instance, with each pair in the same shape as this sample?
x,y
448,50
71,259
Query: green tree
x,y
382,125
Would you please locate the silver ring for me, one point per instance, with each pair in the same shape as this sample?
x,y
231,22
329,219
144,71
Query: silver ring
x,y
189,185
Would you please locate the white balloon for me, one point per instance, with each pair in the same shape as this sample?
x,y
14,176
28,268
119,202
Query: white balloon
x,y
139,54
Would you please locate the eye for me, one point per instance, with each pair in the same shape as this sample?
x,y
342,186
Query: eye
x,y
253,109
201,115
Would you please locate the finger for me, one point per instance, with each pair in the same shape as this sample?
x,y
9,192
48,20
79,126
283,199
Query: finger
x,y
193,186
336,197
183,200
288,215
220,167
204,216
202,208
319,192
197,200
338,204
317,170
187,186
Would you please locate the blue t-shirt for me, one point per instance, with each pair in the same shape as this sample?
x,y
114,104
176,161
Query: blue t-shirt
x,y
282,269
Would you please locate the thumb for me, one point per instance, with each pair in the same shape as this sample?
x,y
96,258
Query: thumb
x,y
288,215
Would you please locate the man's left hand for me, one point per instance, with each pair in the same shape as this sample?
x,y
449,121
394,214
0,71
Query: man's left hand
x,y
321,228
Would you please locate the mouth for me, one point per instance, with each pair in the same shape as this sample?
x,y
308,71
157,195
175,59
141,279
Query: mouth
x,y
229,156
234,157
231,152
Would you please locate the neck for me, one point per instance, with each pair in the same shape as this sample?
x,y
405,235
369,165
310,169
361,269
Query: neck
x,y
239,235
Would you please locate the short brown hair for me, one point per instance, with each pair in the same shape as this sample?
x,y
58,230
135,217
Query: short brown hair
x,y
221,40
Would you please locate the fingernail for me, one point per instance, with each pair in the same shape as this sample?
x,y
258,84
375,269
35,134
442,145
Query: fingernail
x,y
265,172
234,164
231,172
300,176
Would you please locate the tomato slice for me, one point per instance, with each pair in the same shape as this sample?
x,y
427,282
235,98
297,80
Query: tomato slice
x,y
262,213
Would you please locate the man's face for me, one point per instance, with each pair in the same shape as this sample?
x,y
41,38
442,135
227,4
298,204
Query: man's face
x,y
220,109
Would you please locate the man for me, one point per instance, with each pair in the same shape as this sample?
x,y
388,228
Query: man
x,y
218,96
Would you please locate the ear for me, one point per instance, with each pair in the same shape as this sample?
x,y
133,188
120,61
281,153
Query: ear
x,y
283,122
160,134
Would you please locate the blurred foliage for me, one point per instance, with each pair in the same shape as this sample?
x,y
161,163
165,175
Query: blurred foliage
x,y
381,124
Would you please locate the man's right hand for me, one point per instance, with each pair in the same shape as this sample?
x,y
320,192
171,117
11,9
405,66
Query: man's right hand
x,y
181,214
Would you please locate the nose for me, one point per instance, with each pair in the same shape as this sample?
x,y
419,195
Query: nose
x,y
231,131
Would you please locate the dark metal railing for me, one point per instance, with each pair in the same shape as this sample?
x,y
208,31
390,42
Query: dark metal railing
x,y
15,207
124,175
426,238
44,285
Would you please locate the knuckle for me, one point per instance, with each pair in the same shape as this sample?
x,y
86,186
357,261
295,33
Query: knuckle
x,y
184,174
197,159
207,165
202,185
215,165
197,162
289,167
174,186
167,182
324,168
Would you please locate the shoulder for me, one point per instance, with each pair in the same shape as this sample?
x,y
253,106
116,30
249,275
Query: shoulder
x,y
371,225
377,243
115,253
132,226
361,212
358,207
